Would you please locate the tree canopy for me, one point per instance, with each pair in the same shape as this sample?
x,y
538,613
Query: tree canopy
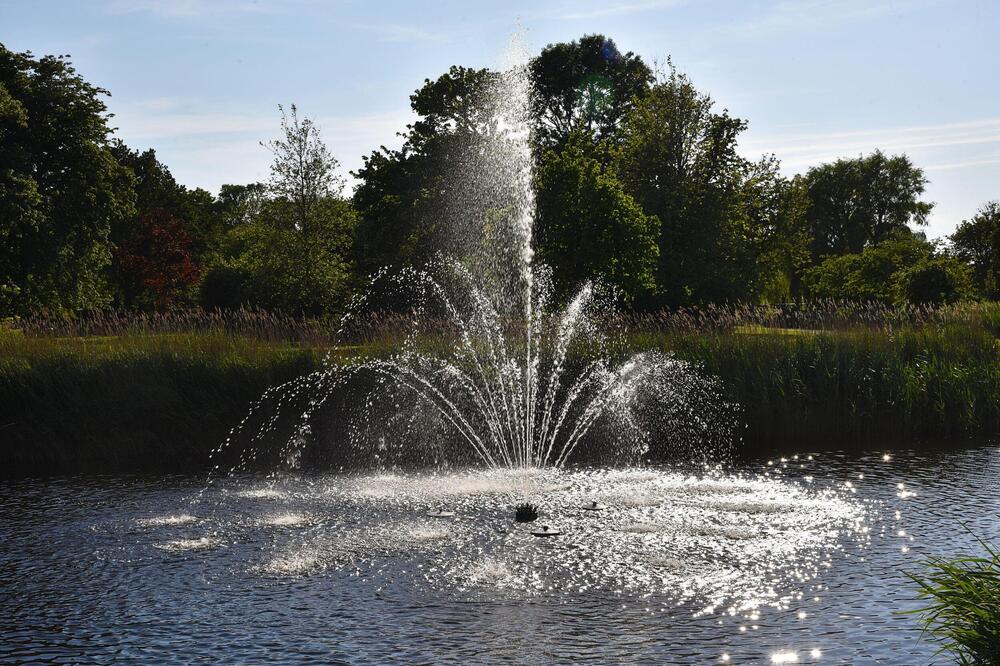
x,y
61,188
854,203
639,184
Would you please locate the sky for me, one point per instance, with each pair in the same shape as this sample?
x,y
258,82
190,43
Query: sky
x,y
200,80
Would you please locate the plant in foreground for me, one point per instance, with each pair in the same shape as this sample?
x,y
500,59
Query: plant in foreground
x,y
964,610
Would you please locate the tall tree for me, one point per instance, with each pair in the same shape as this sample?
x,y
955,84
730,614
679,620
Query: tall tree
x,y
585,86
589,228
61,189
164,209
860,202
289,252
402,198
977,242
678,160
303,172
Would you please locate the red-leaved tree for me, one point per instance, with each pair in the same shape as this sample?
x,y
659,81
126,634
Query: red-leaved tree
x,y
155,263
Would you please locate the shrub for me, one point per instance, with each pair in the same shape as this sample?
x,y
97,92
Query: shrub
x,y
937,281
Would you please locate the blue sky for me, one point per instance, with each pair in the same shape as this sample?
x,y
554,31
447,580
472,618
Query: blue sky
x,y
200,81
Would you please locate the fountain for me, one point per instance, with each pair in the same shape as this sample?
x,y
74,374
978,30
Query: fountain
x,y
487,357
492,372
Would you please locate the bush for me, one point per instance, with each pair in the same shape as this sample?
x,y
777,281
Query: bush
x,y
224,287
936,281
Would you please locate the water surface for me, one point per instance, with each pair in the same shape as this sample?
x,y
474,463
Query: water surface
x,y
801,558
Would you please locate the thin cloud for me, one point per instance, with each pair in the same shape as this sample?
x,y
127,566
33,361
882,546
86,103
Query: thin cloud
x,y
791,16
810,149
179,9
962,165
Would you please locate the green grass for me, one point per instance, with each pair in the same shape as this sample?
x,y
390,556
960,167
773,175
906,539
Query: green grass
x,y
855,387
118,392
963,611
127,402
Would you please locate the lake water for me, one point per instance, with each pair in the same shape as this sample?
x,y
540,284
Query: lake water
x,y
801,558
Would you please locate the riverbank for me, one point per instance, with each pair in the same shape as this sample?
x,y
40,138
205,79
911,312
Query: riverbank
x,y
131,402
164,400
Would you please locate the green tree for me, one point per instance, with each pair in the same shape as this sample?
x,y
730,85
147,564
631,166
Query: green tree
x,y
402,195
870,274
589,228
275,266
936,281
61,189
860,202
303,172
678,160
194,217
775,231
977,242
587,87
290,251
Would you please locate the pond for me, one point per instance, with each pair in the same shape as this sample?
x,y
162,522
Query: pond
x,y
796,559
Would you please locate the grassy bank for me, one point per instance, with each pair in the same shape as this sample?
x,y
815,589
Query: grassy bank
x,y
130,402
854,387
123,394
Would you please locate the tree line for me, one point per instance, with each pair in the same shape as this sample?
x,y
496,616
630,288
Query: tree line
x,y
638,181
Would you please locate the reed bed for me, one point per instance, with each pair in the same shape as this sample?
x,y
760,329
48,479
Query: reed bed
x,y
111,386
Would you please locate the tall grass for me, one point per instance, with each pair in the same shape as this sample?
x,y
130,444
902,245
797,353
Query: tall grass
x,y
116,387
963,613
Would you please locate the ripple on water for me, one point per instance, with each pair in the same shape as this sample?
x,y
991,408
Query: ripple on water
x,y
201,543
160,521
288,519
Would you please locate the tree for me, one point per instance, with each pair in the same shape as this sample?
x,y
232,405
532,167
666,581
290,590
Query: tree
x,y
860,202
289,252
587,87
273,265
589,228
155,263
977,242
678,160
775,230
402,198
61,189
303,171
936,281
870,274
192,215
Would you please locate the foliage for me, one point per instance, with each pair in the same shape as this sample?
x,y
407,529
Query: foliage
x,y
158,193
155,262
774,209
118,389
977,242
303,172
61,189
585,87
963,613
399,199
290,252
870,274
589,228
134,402
274,265
860,202
935,280
679,161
